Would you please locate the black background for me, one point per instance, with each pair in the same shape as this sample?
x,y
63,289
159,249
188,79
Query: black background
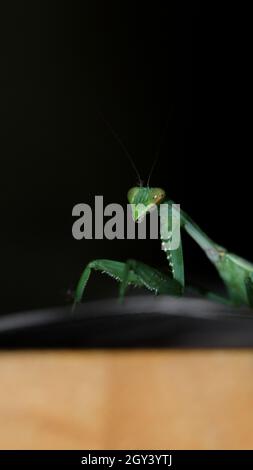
x,y
138,64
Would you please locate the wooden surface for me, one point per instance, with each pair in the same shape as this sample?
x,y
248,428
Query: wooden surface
x,y
126,399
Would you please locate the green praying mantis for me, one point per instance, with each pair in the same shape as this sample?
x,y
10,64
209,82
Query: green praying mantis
x,y
235,272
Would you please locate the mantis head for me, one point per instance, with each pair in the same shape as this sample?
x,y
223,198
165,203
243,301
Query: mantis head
x,y
144,199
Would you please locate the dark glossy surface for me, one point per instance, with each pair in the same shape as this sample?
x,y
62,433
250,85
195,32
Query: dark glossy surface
x,y
142,321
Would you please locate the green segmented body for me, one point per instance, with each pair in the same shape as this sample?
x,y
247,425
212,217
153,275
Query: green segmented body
x,y
236,273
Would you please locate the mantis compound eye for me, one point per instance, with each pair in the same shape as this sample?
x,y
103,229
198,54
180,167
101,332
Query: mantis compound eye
x,y
158,196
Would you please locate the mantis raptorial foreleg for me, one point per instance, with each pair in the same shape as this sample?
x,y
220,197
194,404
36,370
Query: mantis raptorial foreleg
x,y
151,278
130,273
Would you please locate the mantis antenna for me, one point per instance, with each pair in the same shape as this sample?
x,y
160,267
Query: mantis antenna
x,y
122,145
157,154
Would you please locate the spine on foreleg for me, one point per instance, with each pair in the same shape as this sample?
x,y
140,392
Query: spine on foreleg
x,y
172,246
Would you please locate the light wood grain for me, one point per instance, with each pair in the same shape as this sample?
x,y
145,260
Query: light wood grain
x,y
126,399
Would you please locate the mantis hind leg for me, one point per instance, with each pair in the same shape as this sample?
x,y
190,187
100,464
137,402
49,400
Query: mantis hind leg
x,y
130,273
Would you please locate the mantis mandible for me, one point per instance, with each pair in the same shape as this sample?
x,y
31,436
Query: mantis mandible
x,y
235,272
